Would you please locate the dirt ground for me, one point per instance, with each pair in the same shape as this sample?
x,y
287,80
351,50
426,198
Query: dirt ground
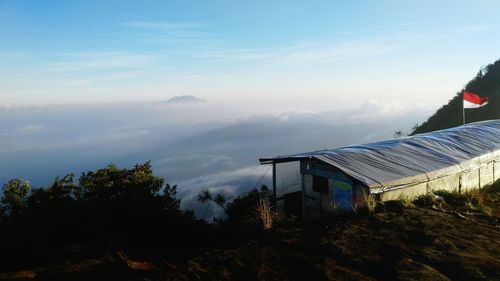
x,y
396,243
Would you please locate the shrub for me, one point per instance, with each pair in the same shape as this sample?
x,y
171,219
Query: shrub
x,y
370,202
425,200
406,201
129,208
265,213
453,198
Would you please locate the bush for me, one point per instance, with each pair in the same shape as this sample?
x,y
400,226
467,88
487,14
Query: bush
x,y
130,209
370,202
425,200
264,213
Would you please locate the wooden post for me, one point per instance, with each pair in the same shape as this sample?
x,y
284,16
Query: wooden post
x,y
274,185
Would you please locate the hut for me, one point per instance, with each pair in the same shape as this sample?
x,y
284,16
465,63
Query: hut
x,y
456,159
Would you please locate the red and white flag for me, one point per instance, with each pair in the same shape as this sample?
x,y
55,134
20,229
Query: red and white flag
x,y
474,101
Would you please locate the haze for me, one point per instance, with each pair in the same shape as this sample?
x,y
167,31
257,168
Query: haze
x,y
85,83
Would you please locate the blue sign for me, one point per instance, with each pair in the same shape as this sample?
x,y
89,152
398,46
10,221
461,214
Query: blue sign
x,y
342,194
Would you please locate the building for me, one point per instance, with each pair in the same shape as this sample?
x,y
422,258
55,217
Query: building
x,y
456,159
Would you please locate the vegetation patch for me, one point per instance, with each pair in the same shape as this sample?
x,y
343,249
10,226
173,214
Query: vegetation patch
x,y
120,224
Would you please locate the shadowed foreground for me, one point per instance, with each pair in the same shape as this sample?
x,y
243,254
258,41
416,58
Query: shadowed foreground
x,y
398,244
445,236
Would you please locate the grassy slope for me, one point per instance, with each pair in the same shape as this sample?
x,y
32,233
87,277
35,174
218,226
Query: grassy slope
x,y
450,115
438,241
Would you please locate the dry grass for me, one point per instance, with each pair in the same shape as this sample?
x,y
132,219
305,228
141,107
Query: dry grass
x,y
265,213
472,200
406,201
370,202
478,199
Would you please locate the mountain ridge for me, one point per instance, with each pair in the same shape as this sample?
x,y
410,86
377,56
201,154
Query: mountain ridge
x,y
185,99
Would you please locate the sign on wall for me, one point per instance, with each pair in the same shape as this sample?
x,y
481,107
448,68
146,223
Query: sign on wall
x,y
342,194
342,191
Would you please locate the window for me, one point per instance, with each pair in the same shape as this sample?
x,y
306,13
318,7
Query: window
x,y
320,184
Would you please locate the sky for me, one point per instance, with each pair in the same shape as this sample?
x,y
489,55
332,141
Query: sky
x,y
319,53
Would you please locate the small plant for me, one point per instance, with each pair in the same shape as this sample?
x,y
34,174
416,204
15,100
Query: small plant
x,y
370,202
478,198
425,200
354,208
491,193
472,200
264,212
406,201
333,206
453,197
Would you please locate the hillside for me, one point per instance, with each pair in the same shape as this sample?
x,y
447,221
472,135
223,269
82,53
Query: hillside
x,y
486,83
393,244
441,236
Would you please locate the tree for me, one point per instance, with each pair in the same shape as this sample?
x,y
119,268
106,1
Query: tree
x,y
205,196
399,134
241,209
14,195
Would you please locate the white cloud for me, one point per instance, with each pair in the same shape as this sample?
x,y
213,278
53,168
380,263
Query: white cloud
x,y
104,60
166,26
472,28
189,34
230,184
23,131
236,55
319,51
218,182
12,55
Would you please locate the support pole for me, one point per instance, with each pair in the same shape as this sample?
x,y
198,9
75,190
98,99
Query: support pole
x,y
494,179
303,186
479,176
463,109
274,185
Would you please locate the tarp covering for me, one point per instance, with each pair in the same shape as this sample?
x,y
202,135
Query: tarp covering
x,y
416,159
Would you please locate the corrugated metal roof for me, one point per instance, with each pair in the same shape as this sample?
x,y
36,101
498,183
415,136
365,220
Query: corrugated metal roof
x,y
404,161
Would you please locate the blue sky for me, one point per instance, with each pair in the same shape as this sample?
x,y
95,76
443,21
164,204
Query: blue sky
x,y
411,53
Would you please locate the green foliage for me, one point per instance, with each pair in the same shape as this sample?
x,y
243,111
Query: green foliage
x,y
486,83
492,193
242,206
241,212
129,208
453,198
475,200
205,196
425,200
14,195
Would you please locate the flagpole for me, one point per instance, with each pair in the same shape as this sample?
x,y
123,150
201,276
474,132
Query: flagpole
x,y
463,108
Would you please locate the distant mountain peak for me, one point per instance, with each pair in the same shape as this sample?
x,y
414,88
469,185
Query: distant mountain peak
x,y
185,100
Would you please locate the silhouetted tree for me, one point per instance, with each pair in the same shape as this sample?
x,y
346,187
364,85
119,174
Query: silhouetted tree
x,y
14,196
129,209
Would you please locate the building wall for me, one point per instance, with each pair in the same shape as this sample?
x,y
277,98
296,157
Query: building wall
x,y
293,177
476,177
